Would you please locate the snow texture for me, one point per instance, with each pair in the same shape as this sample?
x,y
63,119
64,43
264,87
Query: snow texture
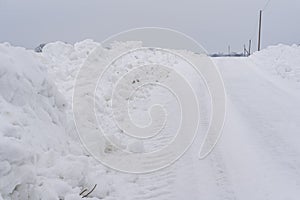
x,y
41,156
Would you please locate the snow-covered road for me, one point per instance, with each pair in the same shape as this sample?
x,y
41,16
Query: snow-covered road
x,y
260,145
258,156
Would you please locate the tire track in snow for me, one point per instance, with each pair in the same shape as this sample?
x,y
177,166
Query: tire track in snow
x,y
222,178
264,108
155,186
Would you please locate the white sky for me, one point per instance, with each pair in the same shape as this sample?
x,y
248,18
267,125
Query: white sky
x,y
213,23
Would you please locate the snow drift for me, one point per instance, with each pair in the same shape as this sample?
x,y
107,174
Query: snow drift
x,y
282,60
40,155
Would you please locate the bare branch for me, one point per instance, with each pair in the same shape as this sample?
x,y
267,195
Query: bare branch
x,y
90,191
82,192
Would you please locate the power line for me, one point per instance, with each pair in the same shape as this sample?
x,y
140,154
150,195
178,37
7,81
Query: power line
x,y
266,5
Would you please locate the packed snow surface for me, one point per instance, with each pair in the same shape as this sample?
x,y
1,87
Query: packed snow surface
x,y
41,156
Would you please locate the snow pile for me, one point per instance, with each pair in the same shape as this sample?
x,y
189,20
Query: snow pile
x,y
40,154
63,62
282,60
38,160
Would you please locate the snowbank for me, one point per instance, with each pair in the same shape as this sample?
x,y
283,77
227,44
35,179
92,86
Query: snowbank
x,y
38,159
41,156
282,60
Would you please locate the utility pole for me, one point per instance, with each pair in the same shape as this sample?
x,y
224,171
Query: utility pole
x,y
249,51
229,50
259,32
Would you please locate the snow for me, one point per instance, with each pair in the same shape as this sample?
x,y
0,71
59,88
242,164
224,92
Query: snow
x,y
39,159
41,156
282,60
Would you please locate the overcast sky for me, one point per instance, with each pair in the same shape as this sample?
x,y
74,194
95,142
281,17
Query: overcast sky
x,y
213,23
